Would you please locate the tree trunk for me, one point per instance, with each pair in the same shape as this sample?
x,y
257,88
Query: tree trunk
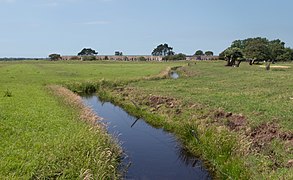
x,y
230,62
268,66
238,63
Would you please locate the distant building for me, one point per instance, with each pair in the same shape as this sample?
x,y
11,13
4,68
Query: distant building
x,y
202,57
118,57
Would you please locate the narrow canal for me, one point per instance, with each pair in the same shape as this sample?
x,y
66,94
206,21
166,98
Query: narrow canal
x,y
152,153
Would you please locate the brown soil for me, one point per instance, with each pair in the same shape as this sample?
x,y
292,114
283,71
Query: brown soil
x,y
157,101
289,163
234,121
265,133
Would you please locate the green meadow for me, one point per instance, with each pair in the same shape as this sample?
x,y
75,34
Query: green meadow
x,y
237,119
242,117
40,136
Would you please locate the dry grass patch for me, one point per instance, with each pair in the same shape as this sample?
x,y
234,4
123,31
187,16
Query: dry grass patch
x,y
75,101
279,67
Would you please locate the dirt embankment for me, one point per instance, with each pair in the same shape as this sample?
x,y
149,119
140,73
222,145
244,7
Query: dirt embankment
x,y
260,137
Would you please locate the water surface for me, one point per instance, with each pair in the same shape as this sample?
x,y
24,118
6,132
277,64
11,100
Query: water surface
x,y
152,153
174,75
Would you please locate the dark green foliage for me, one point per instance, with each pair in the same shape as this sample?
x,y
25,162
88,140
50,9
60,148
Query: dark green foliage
x,y
286,56
179,56
163,50
141,58
209,53
199,53
87,52
261,49
257,49
118,53
232,54
55,57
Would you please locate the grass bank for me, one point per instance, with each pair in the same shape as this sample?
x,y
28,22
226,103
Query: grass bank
x,y
238,119
41,135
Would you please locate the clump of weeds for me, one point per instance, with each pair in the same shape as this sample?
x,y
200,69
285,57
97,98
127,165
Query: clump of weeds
x,y
7,93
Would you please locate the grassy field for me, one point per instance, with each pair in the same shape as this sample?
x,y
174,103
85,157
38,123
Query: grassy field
x,y
237,119
40,135
242,116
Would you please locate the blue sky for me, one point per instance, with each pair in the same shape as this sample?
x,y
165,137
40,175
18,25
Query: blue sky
x,y
36,28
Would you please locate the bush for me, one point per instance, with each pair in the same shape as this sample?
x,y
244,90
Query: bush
x,y
89,58
141,58
75,58
179,56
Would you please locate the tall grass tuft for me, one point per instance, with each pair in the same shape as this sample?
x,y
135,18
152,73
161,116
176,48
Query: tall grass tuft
x,y
7,93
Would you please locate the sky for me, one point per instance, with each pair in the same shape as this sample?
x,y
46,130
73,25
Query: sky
x,y
37,28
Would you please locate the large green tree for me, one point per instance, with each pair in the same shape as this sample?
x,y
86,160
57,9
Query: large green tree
x,y
261,49
257,49
87,52
163,50
277,48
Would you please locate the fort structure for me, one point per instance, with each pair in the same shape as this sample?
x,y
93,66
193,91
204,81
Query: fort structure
x,y
137,57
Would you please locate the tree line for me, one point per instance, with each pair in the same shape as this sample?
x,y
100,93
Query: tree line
x,y
255,50
161,50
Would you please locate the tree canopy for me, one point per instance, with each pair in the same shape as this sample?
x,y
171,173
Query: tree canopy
x,y
163,50
199,53
261,49
55,57
209,53
87,52
232,54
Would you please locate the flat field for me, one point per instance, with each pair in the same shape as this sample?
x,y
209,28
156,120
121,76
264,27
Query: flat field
x,y
40,135
242,117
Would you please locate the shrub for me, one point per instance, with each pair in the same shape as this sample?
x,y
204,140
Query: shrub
x,y
141,58
89,58
179,56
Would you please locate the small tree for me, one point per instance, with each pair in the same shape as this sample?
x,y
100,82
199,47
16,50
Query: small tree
x,y
118,53
233,54
209,53
87,52
163,50
198,53
55,57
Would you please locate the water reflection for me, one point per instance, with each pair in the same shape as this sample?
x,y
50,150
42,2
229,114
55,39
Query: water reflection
x,y
150,153
174,75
